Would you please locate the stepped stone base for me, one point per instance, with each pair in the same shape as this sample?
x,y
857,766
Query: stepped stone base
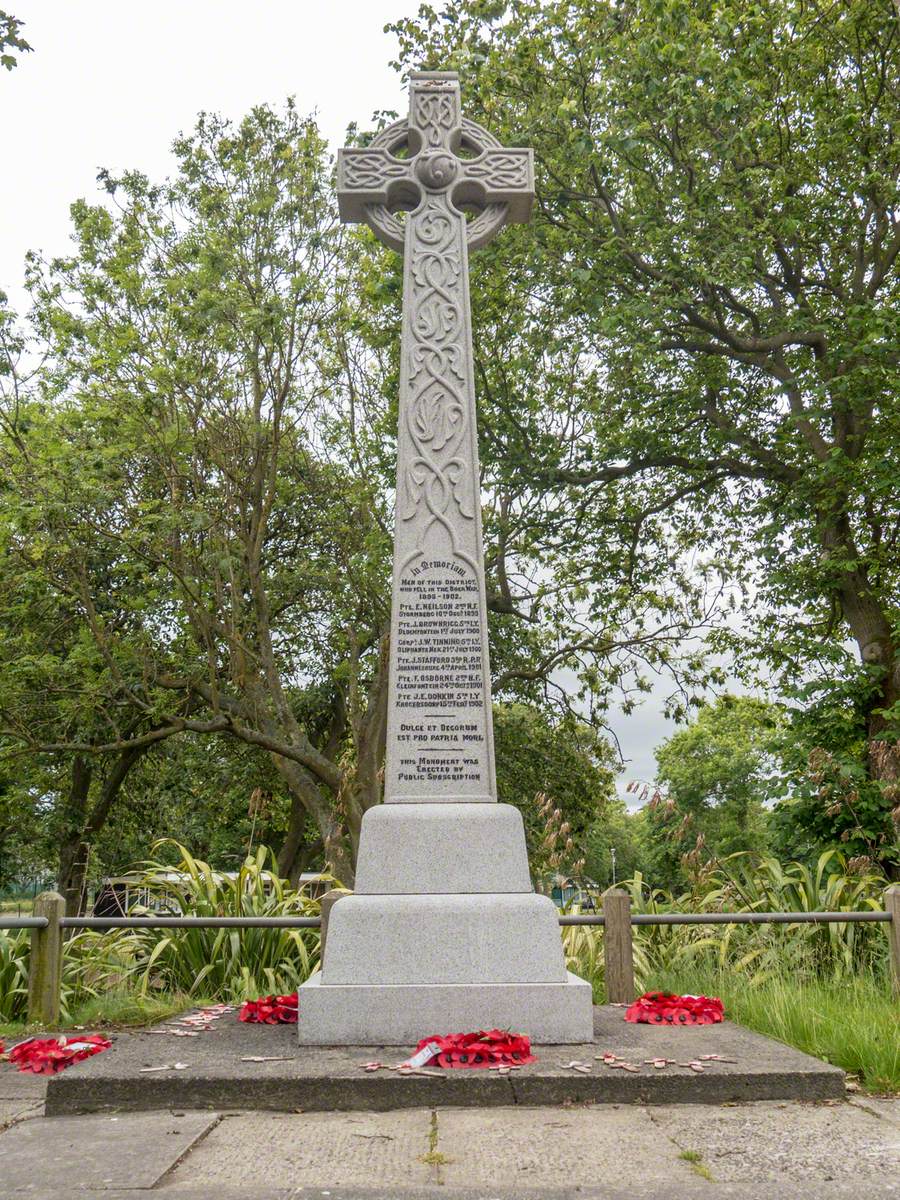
x,y
423,849
512,937
402,1014
443,935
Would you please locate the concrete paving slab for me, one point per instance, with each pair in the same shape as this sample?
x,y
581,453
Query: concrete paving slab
x,y
700,1190
781,1141
314,1150
885,1107
12,1111
42,1158
19,1085
329,1078
538,1148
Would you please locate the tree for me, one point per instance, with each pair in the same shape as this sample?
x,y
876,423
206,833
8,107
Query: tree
x,y
831,801
718,217
11,40
717,776
563,765
54,681
200,477
615,845
177,476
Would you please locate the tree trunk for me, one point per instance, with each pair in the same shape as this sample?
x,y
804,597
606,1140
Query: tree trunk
x,y
308,856
873,634
72,849
83,824
307,799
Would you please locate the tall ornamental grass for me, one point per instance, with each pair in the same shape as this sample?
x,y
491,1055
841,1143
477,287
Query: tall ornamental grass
x,y
228,964
94,964
753,953
217,964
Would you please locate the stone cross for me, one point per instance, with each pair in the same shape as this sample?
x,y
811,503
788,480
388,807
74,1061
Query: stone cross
x,y
457,186
443,932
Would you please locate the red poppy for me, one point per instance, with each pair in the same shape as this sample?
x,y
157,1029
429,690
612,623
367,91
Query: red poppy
x,y
270,1010
46,1056
665,1008
496,1047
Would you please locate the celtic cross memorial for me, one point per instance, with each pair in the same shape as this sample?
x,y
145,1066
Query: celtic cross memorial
x,y
444,932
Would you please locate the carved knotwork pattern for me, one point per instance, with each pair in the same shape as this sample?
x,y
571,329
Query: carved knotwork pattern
x,y
501,169
372,170
435,115
437,484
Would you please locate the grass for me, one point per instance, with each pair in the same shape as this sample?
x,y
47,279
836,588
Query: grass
x,y
853,1023
115,1010
698,1166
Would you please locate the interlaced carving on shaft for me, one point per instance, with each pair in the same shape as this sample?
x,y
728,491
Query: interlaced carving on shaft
x,y
437,410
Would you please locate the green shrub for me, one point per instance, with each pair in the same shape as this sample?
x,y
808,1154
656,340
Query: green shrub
x,y
13,974
753,953
228,964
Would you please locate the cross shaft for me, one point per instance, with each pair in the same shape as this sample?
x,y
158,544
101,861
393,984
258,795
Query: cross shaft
x,y
440,738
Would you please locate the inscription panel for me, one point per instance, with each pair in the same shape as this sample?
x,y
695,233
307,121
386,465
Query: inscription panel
x,y
440,744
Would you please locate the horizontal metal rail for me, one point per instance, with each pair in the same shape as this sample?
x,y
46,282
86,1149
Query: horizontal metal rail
x,y
739,918
191,922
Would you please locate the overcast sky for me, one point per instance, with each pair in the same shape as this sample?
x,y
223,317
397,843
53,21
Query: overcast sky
x,y
111,82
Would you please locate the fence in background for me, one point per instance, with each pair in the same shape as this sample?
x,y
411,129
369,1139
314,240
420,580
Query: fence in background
x,y
49,921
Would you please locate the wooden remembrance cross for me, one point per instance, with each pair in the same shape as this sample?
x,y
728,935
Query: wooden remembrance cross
x,y
443,933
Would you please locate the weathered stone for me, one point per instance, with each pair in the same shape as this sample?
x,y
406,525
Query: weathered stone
x,y
457,939
440,739
221,1073
385,1014
432,848
40,1158
477,948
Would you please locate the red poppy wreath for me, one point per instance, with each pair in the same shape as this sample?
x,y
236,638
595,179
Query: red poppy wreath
x,y
270,1010
665,1008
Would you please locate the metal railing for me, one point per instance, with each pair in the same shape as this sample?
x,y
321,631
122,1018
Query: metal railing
x,y
617,919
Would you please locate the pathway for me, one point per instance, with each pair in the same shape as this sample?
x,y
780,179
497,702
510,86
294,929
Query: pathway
x,y
830,1149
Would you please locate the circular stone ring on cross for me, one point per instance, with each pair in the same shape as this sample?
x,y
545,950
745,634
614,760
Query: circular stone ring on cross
x,y
436,169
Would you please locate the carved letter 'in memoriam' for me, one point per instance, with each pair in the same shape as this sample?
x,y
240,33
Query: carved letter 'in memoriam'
x,y
436,167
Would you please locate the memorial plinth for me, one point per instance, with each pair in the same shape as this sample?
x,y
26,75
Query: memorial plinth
x,y
444,932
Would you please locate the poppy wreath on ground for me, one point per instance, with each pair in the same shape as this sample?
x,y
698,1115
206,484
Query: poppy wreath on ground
x,y
46,1056
494,1047
270,1010
665,1008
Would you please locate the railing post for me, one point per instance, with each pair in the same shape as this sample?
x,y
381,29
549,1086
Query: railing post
x,y
892,906
45,961
327,903
617,949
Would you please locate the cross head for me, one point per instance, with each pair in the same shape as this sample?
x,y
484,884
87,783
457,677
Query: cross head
x,y
435,152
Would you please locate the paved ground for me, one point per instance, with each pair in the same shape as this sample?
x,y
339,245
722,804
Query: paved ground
x,y
832,1150
220,1074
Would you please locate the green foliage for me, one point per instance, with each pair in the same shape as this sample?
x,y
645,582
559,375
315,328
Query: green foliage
x,y
221,964
755,954
716,777
833,799
228,964
13,973
93,964
622,832
11,40
852,1023
715,243
563,760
